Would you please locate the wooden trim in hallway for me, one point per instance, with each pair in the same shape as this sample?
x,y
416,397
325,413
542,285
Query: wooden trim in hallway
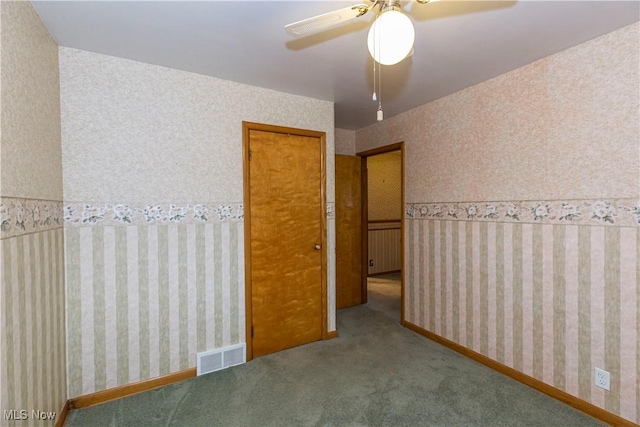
x,y
382,273
381,150
129,389
402,265
324,227
568,399
247,241
385,229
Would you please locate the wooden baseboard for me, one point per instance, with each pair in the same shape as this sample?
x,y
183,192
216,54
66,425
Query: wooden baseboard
x,y
330,335
129,389
382,273
64,413
579,404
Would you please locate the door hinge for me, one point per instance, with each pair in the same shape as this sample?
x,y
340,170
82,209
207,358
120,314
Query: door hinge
x,y
251,331
249,154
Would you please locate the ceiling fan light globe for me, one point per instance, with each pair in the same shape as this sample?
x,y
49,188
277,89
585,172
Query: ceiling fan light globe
x,y
391,37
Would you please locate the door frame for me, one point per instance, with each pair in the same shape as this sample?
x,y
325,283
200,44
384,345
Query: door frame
x,y
398,146
246,128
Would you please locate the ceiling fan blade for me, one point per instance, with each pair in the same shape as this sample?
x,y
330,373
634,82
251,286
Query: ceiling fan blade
x,y
320,22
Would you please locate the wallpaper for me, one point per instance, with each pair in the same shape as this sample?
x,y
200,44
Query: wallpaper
x,y
577,212
522,217
143,299
23,216
150,213
562,128
32,372
345,142
384,174
30,119
552,301
32,294
155,268
135,132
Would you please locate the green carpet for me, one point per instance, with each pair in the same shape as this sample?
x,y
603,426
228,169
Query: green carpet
x,y
384,295
376,373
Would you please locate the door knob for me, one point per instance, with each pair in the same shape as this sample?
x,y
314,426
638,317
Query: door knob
x,y
316,247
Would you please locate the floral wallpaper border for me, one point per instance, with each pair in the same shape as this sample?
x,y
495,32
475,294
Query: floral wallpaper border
x,y
20,216
88,214
91,214
621,212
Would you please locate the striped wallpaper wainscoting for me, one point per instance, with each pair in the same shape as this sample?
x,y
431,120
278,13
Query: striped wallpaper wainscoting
x,y
552,301
143,299
32,368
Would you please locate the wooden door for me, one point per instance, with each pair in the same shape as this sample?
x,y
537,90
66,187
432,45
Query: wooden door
x,y
286,234
348,232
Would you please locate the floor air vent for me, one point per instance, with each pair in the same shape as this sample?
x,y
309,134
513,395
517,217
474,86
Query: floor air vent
x,y
220,358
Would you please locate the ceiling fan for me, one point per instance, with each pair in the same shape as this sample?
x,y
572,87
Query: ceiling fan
x,y
390,38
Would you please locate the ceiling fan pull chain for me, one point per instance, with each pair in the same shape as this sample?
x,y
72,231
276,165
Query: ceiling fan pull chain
x,y
380,80
379,114
375,98
376,44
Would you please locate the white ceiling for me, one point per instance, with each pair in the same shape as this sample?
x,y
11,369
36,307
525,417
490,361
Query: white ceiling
x,y
458,43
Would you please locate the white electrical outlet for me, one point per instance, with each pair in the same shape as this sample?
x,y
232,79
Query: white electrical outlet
x,y
602,379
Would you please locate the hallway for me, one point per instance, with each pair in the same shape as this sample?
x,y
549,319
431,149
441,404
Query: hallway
x,y
384,294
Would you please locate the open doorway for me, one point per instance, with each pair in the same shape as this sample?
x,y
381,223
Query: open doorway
x,y
383,225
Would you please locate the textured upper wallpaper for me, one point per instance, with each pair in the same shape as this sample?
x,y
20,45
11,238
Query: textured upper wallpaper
x,y
565,127
133,132
345,142
30,145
